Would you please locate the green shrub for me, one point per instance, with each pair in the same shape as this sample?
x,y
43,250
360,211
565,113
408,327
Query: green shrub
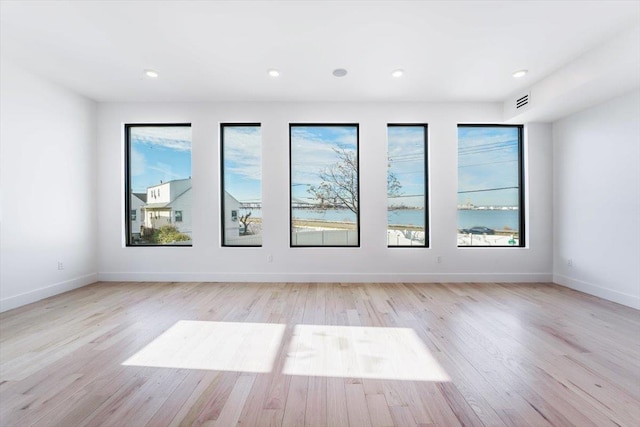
x,y
169,234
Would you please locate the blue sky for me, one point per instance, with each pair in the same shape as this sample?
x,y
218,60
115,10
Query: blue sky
x,y
159,154
407,162
312,150
243,162
488,158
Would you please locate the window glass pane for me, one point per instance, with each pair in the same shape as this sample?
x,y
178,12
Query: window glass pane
x,y
489,186
242,185
406,186
324,185
159,184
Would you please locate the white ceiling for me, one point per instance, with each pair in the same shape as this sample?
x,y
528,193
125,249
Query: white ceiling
x,y
220,51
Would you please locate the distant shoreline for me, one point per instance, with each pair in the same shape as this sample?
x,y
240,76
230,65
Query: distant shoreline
x,y
318,223
343,225
315,223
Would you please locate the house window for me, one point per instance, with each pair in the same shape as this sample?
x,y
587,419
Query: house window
x,y
133,214
324,193
241,183
407,202
158,161
490,186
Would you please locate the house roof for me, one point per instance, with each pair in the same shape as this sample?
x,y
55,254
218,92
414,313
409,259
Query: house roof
x,y
166,205
233,198
141,196
180,195
157,205
170,182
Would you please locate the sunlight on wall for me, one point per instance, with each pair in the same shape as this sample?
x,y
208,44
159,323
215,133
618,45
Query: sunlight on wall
x,y
220,346
361,352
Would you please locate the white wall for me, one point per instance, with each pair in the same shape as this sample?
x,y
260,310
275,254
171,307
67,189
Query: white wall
x,y
137,205
597,200
47,141
47,181
183,203
608,70
373,261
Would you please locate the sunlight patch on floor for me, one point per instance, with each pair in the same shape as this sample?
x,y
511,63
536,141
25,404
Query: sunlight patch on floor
x,y
361,352
219,346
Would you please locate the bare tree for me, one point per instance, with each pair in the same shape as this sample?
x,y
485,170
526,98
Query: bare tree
x,y
244,220
393,185
339,183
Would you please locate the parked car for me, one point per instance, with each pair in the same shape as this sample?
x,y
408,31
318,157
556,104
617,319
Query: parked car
x,y
478,230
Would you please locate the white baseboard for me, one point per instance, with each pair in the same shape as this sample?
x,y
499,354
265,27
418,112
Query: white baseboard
x,y
78,282
598,291
323,277
47,291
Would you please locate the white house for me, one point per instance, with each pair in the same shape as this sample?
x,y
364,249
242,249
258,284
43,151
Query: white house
x,y
169,203
136,213
231,215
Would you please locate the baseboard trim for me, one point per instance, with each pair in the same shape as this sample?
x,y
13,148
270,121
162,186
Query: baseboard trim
x,y
323,277
78,282
46,292
598,291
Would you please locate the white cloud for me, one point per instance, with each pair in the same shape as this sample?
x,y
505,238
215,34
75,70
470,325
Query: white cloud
x,y
406,140
406,150
310,153
243,151
173,138
166,170
138,163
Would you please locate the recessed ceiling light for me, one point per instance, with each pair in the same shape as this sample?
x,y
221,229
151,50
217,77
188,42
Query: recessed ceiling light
x,y
339,72
152,74
520,73
397,73
274,73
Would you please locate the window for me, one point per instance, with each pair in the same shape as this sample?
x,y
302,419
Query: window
x,y
490,189
407,206
178,216
241,178
324,194
133,214
158,180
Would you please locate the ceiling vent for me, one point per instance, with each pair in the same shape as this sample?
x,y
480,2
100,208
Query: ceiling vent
x,y
522,101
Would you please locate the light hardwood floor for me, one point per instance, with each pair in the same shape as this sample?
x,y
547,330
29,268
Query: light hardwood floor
x,y
225,354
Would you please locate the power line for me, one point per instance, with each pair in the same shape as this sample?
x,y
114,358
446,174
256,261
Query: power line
x,y
488,189
506,150
491,144
488,163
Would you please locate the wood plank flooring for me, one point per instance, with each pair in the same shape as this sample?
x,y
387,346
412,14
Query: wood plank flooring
x,y
282,354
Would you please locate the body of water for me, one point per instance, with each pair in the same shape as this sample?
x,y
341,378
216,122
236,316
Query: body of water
x,y
340,215
496,219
